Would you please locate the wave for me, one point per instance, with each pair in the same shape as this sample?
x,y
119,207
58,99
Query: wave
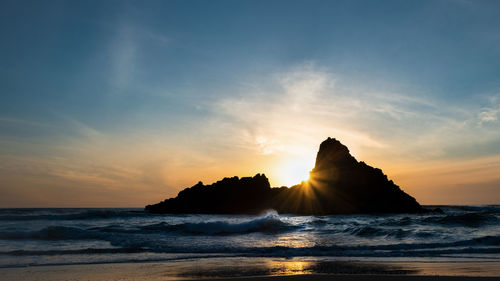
x,y
470,208
319,222
126,243
270,223
75,252
71,215
474,219
486,245
52,233
399,233
483,241
404,221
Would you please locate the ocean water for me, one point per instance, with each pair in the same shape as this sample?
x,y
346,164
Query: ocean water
x,y
81,236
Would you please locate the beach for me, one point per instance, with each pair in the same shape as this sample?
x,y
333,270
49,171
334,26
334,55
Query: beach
x,y
257,269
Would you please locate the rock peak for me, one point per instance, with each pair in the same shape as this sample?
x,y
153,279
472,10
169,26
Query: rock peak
x,y
332,145
332,152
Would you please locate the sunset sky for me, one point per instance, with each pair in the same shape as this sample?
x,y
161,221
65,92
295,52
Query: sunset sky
x,y
125,103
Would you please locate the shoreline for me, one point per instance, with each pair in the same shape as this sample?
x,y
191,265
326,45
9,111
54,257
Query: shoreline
x,y
238,268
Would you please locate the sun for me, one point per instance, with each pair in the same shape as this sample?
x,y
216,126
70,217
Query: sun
x,y
293,172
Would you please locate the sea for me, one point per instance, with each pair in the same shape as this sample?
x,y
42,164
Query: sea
x,y
37,237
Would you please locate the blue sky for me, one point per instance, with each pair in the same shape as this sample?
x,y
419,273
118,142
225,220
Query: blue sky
x,y
121,103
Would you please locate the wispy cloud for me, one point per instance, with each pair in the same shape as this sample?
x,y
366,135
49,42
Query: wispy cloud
x,y
123,52
308,103
490,113
303,108
127,48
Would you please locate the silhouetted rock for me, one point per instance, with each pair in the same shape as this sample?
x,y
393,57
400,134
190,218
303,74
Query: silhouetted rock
x,y
339,184
228,196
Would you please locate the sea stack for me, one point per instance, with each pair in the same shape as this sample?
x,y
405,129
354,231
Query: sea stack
x,y
339,184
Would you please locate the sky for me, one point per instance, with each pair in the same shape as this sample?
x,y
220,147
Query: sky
x,y
125,103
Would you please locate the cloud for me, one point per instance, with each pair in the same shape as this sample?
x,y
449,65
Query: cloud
x,y
490,114
127,48
287,114
123,50
303,106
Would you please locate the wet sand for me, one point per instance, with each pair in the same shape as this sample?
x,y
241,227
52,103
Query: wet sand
x,y
260,269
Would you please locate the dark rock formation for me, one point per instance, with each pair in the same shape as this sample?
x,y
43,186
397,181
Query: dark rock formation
x,y
339,184
228,196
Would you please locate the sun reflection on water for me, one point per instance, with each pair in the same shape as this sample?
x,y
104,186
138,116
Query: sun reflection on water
x,y
289,267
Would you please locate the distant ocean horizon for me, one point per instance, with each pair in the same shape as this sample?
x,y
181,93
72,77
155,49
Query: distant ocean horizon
x,y
63,236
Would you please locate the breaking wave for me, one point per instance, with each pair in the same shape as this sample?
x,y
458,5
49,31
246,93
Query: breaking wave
x,y
271,223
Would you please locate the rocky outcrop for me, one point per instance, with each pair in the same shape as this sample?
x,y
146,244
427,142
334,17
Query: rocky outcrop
x,y
339,184
228,196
